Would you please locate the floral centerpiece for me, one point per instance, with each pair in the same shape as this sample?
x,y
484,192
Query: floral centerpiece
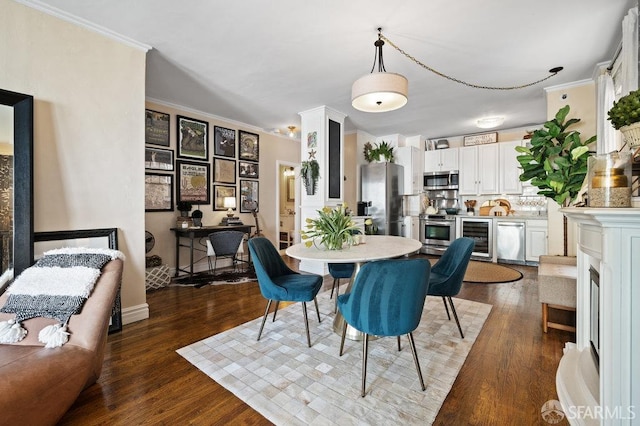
x,y
333,228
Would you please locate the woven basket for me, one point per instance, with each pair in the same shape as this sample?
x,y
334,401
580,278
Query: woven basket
x,y
631,134
157,277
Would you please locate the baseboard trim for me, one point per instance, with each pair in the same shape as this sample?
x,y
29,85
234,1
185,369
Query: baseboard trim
x,y
135,313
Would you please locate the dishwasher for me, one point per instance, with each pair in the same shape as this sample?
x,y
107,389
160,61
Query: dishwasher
x,y
510,242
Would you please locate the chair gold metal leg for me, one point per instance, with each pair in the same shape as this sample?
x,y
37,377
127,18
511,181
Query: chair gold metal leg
x,y
399,347
455,315
365,350
446,308
275,311
306,322
344,334
315,301
264,319
337,284
415,359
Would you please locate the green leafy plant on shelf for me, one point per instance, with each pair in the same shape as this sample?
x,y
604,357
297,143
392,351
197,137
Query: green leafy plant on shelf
x,y
626,110
333,229
378,152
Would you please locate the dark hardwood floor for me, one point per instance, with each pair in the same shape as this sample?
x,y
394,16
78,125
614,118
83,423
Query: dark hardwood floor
x,y
507,377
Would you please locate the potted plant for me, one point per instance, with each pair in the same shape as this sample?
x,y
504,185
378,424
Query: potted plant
x,y
310,172
556,162
333,228
378,153
625,116
184,207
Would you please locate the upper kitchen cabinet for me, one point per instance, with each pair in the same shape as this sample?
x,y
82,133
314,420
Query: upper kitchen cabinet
x,y
509,170
441,160
479,169
411,159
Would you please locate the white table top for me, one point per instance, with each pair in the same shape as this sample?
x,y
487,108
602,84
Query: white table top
x,y
376,247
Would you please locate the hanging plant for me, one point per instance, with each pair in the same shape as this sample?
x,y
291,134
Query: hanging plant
x,y
376,153
310,173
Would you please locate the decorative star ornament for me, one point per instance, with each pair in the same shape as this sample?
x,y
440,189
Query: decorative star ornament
x,y
312,154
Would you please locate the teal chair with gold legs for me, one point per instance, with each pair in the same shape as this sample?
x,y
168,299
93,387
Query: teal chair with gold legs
x,y
386,299
339,271
278,282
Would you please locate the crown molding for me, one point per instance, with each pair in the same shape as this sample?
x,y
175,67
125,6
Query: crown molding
x,y
569,85
68,17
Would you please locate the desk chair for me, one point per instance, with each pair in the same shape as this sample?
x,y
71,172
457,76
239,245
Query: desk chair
x,y
448,272
386,299
339,271
278,282
224,244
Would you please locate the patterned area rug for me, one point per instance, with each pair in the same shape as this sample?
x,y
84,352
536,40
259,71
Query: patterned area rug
x,y
201,279
291,384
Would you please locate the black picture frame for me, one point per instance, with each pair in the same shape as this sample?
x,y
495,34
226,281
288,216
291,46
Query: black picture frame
x,y
192,182
221,191
192,138
158,159
224,171
97,238
158,192
247,169
249,148
156,127
224,142
249,191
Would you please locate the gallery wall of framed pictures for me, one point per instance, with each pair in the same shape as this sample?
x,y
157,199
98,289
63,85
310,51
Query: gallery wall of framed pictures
x,y
196,176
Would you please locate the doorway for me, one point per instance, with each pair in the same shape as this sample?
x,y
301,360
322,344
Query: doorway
x,y
287,217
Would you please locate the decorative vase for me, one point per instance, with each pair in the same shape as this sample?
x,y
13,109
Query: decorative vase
x,y
631,134
609,178
310,186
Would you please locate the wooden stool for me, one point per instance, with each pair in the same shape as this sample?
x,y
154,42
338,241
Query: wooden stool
x,y
557,288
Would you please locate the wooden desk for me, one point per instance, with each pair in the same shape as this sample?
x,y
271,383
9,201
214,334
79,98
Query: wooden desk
x,y
193,233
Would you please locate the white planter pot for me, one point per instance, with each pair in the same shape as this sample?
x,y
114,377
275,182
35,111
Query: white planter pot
x,y
631,134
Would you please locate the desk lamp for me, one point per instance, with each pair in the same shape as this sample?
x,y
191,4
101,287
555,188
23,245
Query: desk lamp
x,y
230,204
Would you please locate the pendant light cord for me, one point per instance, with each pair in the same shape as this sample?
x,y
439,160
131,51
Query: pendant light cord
x,y
553,71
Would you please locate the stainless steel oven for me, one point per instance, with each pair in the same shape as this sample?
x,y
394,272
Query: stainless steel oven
x,y
437,232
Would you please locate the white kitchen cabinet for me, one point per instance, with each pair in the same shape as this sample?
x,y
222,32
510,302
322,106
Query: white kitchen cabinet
x,y
479,169
441,160
411,227
411,159
509,170
535,239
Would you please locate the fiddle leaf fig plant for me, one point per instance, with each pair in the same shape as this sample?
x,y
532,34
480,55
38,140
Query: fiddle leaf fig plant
x,y
556,162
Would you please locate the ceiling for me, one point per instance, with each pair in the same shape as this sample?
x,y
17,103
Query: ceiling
x,y
261,63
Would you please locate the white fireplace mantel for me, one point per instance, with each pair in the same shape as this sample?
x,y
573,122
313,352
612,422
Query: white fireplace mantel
x,y
608,241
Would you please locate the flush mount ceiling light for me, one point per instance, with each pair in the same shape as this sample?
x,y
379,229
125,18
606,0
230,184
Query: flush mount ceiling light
x,y
489,122
292,132
383,91
379,91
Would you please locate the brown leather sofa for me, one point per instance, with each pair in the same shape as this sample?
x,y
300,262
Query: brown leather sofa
x,y
38,385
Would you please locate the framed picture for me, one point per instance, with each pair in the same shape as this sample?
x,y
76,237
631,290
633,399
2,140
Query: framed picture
x,y
193,182
481,139
158,192
224,142
156,127
249,146
248,193
158,159
219,194
291,188
224,171
193,138
91,238
248,170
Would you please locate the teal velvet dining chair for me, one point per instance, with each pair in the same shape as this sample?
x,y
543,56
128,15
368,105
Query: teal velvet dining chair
x,y
448,273
386,299
278,282
339,271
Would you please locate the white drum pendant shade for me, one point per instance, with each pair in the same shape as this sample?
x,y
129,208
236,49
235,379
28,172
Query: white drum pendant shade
x,y
379,92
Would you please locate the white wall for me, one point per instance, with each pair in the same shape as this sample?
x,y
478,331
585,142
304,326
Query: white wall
x,y
89,131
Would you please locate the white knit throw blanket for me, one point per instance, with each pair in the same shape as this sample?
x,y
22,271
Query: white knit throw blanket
x,y
55,287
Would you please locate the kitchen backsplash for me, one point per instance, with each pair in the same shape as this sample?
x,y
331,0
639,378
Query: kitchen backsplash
x,y
527,204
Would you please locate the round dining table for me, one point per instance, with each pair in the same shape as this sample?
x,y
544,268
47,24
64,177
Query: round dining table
x,y
374,247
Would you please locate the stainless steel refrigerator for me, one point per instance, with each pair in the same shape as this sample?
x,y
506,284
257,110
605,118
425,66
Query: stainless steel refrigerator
x,y
382,184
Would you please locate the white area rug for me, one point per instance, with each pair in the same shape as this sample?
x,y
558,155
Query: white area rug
x,y
291,384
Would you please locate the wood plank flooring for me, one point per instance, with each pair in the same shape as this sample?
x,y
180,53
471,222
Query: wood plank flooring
x,y
508,375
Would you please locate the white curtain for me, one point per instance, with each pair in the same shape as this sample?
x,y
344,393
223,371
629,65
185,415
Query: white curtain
x,y
629,53
607,140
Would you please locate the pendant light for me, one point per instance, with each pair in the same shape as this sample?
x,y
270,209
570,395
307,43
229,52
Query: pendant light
x,y
379,91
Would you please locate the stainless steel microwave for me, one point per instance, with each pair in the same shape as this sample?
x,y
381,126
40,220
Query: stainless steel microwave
x,y
441,180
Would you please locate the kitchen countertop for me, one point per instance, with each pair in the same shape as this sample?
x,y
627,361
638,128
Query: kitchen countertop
x,y
510,217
